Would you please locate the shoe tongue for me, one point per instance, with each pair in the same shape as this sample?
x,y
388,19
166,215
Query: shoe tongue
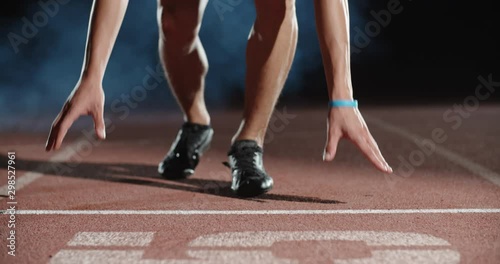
x,y
242,145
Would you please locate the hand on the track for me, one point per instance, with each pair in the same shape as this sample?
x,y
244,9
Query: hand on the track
x,y
86,99
348,123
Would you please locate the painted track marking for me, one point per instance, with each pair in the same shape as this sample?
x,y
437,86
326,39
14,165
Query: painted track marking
x,y
29,177
463,162
137,239
256,247
63,155
258,212
268,238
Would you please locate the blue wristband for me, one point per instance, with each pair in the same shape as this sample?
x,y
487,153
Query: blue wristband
x,y
343,103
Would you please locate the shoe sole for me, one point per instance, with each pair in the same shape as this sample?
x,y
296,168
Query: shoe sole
x,y
251,194
252,191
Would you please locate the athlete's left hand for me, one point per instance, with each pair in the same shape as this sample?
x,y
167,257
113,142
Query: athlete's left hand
x,y
347,122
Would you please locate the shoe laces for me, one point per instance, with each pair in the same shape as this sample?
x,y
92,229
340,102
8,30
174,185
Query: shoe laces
x,y
245,161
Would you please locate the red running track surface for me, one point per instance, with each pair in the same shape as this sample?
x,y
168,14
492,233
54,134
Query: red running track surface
x,y
105,203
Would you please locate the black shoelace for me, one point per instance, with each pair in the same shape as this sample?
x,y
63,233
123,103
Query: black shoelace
x,y
245,161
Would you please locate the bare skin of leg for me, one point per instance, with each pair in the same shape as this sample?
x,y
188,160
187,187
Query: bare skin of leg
x,y
183,56
270,51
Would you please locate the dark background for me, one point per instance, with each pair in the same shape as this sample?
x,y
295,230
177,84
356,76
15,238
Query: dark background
x,y
431,52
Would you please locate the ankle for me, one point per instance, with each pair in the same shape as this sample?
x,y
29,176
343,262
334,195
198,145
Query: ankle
x,y
259,140
199,118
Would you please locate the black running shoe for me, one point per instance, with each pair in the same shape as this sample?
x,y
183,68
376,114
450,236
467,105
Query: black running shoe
x,y
184,154
249,177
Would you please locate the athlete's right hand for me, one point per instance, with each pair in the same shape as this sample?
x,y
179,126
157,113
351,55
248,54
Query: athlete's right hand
x,y
87,98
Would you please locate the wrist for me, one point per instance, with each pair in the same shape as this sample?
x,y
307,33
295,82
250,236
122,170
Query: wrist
x,y
91,80
342,103
341,89
93,72
341,94
90,83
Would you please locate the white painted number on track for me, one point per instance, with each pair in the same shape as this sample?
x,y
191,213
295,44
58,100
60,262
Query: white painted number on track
x,y
230,247
138,239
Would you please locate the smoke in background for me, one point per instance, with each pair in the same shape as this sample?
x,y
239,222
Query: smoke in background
x,y
425,51
40,70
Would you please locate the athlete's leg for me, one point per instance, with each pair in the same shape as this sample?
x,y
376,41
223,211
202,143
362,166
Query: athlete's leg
x,y
183,55
186,65
270,52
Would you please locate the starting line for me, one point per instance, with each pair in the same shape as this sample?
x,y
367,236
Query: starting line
x,y
253,212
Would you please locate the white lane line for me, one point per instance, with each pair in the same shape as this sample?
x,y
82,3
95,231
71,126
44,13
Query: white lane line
x,y
440,150
132,239
63,155
256,212
29,177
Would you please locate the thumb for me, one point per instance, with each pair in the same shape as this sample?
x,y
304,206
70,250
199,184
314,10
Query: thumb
x,y
100,126
331,146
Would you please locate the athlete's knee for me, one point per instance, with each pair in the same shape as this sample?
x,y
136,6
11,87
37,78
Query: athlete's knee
x,y
180,20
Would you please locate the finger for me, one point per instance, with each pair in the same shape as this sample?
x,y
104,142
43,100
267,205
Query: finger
x,y
377,152
53,132
366,148
50,141
66,121
56,125
331,145
99,125
48,144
